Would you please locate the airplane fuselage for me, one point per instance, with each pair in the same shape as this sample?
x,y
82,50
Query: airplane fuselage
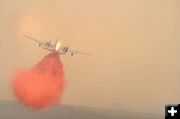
x,y
56,48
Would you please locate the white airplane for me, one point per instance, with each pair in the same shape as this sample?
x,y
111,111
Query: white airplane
x,y
57,47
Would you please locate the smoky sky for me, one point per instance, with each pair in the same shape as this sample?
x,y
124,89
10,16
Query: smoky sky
x,y
135,45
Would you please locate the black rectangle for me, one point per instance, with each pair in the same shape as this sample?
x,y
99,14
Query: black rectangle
x,y
172,111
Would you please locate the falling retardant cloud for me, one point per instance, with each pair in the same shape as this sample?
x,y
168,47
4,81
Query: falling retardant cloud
x,y
41,86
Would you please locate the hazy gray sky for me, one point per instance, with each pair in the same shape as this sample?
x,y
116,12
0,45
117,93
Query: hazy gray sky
x,y
135,45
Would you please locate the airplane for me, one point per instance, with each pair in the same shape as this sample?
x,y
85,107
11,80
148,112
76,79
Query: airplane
x,y
56,48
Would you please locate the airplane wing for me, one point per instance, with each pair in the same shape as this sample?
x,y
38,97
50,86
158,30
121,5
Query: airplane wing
x,y
78,52
40,42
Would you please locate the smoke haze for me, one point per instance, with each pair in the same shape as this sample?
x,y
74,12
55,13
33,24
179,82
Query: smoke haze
x,y
135,45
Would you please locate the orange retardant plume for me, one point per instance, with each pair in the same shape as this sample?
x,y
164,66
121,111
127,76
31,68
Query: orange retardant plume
x,y
41,86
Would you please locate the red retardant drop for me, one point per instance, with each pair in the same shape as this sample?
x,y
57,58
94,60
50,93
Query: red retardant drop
x,y
41,86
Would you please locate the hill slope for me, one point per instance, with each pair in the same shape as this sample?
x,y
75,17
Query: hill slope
x,y
14,110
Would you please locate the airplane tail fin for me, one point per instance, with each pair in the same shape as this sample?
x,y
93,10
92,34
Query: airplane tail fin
x,y
57,45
